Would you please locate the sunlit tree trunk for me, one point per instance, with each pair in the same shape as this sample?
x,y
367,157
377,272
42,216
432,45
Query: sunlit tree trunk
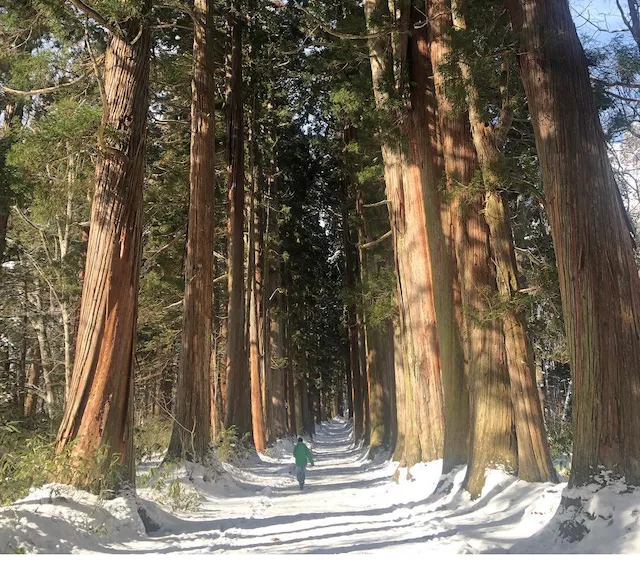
x,y
424,432
594,248
99,411
425,155
534,458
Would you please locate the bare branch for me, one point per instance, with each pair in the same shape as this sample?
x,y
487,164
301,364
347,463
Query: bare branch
x,y
381,203
44,90
376,242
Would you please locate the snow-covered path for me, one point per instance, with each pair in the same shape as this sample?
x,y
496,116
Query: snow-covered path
x,y
349,505
345,507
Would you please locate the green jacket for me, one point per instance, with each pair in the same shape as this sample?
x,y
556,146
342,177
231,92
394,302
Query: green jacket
x,y
301,453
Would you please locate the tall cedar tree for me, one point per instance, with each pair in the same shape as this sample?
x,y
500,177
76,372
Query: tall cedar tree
x,y
192,426
238,411
98,416
423,417
492,438
534,457
594,248
425,156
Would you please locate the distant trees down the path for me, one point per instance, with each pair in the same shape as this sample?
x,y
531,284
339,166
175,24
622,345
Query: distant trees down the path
x,y
228,221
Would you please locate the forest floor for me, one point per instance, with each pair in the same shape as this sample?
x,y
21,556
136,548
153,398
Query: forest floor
x,y
350,504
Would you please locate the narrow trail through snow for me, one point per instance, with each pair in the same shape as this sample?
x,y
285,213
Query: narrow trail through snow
x,y
344,507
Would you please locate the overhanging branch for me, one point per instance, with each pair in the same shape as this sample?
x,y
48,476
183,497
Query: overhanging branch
x,y
96,16
44,90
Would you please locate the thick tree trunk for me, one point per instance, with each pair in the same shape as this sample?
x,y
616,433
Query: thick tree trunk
x,y
425,156
492,438
192,427
401,396
534,458
424,419
99,412
239,406
599,280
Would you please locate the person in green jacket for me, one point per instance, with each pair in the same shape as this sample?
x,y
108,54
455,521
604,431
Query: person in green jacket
x,y
301,453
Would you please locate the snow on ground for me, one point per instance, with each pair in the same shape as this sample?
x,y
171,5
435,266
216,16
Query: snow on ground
x,y
349,505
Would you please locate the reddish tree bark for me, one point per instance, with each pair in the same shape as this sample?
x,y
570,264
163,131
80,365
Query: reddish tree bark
x,y
192,427
238,412
423,433
425,155
594,248
492,437
99,411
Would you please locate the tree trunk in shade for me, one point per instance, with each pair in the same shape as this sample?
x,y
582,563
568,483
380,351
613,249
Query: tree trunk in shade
x,y
238,412
492,435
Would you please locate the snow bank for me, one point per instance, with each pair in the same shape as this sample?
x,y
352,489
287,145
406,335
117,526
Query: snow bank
x,y
61,519
602,517
282,449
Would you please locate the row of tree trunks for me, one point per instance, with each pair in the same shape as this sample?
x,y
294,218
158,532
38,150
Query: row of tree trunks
x,y
599,280
99,411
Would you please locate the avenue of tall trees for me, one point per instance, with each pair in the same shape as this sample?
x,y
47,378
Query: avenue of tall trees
x,y
234,219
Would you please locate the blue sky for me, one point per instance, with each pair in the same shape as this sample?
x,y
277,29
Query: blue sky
x,y
593,17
